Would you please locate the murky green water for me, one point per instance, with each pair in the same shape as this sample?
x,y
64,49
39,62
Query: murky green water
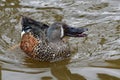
x,y
96,57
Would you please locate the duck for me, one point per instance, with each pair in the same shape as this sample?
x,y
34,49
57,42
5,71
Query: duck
x,y
46,42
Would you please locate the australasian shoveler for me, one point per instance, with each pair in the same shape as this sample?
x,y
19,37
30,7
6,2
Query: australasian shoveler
x,y
45,43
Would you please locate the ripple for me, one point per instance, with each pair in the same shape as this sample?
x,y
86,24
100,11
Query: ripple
x,y
93,75
99,49
99,6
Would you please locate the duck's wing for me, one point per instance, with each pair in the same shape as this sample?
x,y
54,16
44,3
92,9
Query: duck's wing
x,y
36,27
26,21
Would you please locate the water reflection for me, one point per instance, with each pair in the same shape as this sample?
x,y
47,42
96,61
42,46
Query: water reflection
x,y
9,4
62,72
0,73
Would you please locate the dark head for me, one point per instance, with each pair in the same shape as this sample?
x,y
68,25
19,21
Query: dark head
x,y
59,30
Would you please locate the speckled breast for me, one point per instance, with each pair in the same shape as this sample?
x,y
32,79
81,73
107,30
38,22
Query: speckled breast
x,y
35,49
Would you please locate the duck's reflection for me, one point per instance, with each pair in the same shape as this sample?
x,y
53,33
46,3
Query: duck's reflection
x,y
58,70
62,72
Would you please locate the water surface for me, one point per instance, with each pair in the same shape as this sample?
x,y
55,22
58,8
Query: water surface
x,y
96,57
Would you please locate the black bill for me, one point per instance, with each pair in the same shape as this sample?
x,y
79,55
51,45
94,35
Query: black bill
x,y
75,32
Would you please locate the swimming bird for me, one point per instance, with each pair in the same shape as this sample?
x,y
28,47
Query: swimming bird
x,y
46,43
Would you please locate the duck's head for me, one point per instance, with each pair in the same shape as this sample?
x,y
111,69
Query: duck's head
x,y
58,30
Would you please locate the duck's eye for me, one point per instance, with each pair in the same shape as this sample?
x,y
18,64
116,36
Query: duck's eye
x,y
58,28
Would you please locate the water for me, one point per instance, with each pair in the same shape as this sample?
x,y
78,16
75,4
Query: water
x,y
96,57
